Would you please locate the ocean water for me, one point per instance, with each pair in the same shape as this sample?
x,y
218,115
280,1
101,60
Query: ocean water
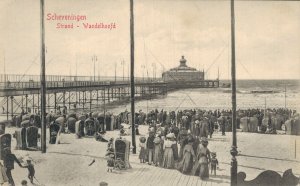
x,y
286,92
220,98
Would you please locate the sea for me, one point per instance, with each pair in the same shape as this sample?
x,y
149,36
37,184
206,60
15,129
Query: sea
x,y
284,93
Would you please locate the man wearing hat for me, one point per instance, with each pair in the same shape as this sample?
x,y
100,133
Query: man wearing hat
x,y
8,163
150,147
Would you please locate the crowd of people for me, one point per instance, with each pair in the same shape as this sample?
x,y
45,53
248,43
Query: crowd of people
x,y
192,156
180,140
177,140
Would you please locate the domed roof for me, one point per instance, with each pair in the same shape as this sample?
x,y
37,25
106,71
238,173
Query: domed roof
x,y
183,66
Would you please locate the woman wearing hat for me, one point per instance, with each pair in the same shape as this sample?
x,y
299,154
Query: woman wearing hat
x,y
186,164
203,157
168,160
157,157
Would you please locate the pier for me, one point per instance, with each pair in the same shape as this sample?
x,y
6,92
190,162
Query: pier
x,y
22,93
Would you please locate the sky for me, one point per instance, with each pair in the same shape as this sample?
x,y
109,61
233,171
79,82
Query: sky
x,y
267,37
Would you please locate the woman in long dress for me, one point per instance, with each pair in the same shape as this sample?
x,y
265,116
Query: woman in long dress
x,y
168,160
203,157
157,151
186,163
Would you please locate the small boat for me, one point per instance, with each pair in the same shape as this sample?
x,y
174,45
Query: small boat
x,y
263,91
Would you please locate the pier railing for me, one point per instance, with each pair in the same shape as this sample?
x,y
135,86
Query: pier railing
x,y
12,81
36,78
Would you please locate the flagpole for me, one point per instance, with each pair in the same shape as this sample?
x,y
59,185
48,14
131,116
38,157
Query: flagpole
x,y
233,150
43,80
132,76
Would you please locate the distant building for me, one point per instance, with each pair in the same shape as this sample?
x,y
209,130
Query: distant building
x,y
183,73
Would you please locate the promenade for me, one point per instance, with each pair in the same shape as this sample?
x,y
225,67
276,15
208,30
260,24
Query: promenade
x,y
67,163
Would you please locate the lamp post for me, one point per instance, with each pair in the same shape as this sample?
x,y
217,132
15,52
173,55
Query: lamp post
x,y
143,67
154,70
115,72
123,63
94,59
98,71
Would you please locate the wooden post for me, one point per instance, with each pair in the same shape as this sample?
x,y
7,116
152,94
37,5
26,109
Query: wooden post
x,y
26,103
78,98
108,95
83,99
97,99
38,104
33,104
90,101
233,150
43,81
104,111
7,102
55,104
22,102
12,106
64,99
132,76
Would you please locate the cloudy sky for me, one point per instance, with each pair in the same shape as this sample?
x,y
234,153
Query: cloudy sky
x,y
267,37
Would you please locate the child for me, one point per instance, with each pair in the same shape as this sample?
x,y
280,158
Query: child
x,y
110,162
142,155
111,159
110,144
214,162
31,170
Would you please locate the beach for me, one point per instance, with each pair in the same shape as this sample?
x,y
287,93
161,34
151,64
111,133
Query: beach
x,y
67,163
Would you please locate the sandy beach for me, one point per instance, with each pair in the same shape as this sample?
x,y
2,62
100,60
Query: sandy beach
x,y
67,163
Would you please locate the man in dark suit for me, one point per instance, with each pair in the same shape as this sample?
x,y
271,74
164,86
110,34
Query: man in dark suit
x,y
8,161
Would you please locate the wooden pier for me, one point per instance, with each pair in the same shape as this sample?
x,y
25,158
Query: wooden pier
x,y
22,93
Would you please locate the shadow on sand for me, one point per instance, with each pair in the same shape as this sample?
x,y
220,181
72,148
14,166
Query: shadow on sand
x,y
219,179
